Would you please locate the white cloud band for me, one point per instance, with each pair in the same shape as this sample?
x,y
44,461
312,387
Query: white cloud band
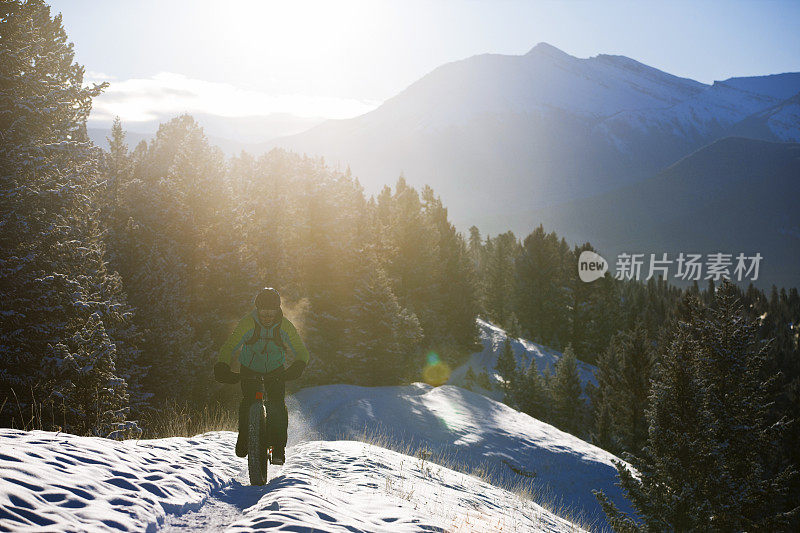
x,y
146,99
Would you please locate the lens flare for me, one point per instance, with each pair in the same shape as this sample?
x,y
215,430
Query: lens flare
x,y
436,372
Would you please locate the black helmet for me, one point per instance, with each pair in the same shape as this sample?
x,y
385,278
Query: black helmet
x,y
268,298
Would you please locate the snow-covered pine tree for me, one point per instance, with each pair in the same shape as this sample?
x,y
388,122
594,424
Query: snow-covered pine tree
x,y
705,464
83,373
118,161
743,492
55,287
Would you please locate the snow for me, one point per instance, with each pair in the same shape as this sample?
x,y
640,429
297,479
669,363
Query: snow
x,y
780,86
470,430
493,339
713,110
355,462
784,120
72,483
352,486
68,483
542,80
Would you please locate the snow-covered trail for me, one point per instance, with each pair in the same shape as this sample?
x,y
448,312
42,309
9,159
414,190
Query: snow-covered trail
x,y
59,482
223,506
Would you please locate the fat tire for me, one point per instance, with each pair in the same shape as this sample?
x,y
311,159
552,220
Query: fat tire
x,y
256,450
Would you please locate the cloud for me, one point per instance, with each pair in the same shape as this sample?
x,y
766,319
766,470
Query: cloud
x,y
167,93
97,77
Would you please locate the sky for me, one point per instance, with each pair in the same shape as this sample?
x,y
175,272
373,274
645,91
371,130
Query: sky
x,y
339,59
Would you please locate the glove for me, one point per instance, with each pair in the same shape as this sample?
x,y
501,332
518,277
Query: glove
x,y
223,373
294,371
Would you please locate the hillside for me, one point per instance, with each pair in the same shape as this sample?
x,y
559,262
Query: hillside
x,y
471,430
493,339
735,195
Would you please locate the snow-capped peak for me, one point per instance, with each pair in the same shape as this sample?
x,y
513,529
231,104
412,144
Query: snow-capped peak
x,y
543,81
544,48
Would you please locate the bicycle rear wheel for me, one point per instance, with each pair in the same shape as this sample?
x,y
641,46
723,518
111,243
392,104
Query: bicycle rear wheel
x,y
257,450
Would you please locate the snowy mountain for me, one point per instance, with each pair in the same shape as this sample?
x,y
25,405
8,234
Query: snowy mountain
x,y
493,339
541,80
778,123
522,133
417,480
709,115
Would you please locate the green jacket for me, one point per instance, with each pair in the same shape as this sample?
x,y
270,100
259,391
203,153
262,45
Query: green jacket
x,y
264,355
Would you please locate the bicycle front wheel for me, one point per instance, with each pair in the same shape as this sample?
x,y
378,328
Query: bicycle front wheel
x,y
257,450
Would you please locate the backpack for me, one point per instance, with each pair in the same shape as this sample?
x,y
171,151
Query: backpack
x,y
259,360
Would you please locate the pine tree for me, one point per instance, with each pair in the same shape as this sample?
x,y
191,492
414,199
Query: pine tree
x,y
499,282
476,248
117,160
603,435
84,375
566,393
531,394
636,369
506,367
470,379
543,269
383,337
178,253
61,303
604,398
624,374
705,465
411,255
457,300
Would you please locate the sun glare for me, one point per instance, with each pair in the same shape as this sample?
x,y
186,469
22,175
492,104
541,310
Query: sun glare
x,y
287,57
295,38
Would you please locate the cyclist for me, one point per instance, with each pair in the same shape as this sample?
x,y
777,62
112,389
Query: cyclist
x,y
262,337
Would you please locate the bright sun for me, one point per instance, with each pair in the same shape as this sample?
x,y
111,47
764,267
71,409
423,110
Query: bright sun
x,y
286,57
